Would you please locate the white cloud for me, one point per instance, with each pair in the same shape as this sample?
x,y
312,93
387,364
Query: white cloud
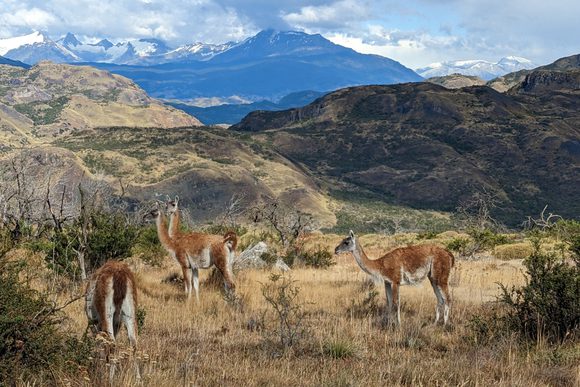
x,y
336,14
29,18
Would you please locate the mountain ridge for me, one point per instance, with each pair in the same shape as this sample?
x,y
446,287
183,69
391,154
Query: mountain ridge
x,y
480,68
426,146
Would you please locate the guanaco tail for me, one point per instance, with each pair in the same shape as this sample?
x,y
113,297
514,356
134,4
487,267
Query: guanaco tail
x,y
111,298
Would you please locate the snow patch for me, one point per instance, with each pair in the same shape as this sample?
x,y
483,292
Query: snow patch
x,y
19,41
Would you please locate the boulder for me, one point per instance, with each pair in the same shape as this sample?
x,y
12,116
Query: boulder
x,y
251,258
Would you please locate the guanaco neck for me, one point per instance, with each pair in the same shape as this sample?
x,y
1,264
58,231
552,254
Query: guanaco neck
x,y
162,233
362,259
174,224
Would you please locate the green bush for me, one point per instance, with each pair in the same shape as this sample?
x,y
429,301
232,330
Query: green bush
x,y
111,237
548,305
486,239
269,258
148,247
32,345
458,245
427,235
108,236
319,259
290,257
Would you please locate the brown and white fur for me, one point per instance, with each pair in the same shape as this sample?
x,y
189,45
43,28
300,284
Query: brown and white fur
x,y
111,298
406,266
194,251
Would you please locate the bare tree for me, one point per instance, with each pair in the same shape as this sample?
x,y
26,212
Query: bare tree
x,y
234,209
288,223
543,222
477,210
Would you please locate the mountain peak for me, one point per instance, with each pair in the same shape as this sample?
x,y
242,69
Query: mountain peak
x,y
104,43
70,40
514,59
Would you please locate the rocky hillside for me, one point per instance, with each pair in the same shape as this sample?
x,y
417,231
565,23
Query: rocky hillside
x,y
456,81
426,146
49,100
510,80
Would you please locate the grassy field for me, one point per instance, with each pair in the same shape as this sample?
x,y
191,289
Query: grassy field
x,y
225,343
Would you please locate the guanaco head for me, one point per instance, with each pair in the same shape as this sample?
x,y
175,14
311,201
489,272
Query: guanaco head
x,y
347,245
154,213
172,205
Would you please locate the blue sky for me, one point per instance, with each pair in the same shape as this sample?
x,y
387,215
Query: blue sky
x,y
414,32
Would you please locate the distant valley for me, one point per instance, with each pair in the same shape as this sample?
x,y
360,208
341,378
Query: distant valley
x,y
233,113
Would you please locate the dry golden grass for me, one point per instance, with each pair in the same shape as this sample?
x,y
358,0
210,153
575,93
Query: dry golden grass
x,y
214,343
513,251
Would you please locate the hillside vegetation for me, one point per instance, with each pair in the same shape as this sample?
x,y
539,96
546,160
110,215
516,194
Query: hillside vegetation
x,y
49,100
426,146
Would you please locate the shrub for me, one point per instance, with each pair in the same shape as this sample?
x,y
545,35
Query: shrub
x,y
32,345
513,251
427,235
486,239
105,236
147,245
269,258
111,237
369,306
290,257
548,305
281,294
458,245
221,229
319,259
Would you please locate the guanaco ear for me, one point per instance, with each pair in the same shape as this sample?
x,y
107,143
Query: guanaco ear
x,y
176,199
167,198
351,234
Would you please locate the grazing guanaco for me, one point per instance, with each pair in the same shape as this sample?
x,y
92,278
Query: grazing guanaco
x,y
406,266
111,298
194,251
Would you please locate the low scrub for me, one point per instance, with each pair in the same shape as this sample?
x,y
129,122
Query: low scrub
x,y
319,258
288,321
32,345
548,305
104,236
513,251
148,247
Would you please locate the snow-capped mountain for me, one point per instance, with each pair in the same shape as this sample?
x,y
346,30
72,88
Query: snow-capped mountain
x,y
39,46
18,41
120,53
36,47
269,66
479,68
196,51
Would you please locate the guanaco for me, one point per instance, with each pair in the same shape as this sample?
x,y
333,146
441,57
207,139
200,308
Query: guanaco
x,y
406,266
194,251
